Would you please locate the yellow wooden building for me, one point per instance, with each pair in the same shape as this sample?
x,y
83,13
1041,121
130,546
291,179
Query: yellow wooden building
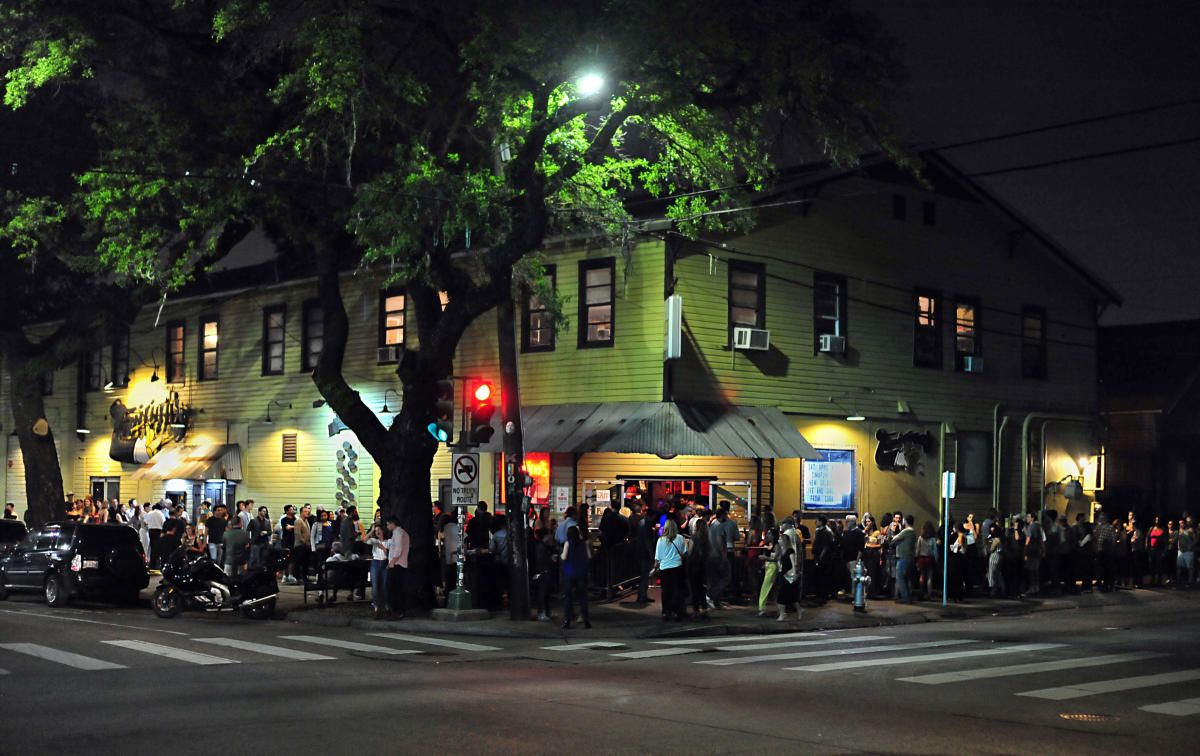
x,y
884,330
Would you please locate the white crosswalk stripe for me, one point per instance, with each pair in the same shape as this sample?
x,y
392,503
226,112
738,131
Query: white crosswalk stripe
x,y
832,652
656,652
1184,708
941,678
584,646
895,660
792,644
78,661
1082,690
738,638
179,654
349,645
459,645
262,648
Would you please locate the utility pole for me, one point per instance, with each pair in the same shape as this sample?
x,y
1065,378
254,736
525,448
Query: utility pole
x,y
514,461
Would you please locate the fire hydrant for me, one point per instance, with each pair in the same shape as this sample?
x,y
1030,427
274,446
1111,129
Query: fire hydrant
x,y
861,580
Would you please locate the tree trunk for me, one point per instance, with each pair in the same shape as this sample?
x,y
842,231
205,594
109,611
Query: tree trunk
x,y
514,459
43,476
404,492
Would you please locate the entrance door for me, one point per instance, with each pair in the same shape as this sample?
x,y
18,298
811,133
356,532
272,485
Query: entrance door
x,y
739,494
596,496
106,488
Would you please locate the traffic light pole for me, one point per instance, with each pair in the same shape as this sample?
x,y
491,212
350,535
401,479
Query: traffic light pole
x,y
514,461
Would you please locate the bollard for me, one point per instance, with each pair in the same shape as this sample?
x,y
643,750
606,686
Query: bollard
x,y
861,580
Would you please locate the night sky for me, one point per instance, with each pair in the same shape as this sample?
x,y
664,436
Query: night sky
x,y
981,68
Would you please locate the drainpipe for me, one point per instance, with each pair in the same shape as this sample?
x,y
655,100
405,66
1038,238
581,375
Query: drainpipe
x,y
997,451
1025,466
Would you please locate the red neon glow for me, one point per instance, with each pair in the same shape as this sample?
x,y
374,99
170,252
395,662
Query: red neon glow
x,y
483,392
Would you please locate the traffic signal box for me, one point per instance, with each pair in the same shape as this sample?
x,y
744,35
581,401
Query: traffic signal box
x,y
442,427
483,408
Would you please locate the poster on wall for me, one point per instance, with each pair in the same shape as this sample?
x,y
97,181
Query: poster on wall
x,y
828,484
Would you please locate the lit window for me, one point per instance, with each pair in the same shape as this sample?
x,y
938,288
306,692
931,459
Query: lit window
x,y
597,292
537,327
274,322
927,344
392,318
968,340
209,333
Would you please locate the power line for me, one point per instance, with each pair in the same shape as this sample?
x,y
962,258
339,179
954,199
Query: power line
x,y
1089,156
1068,124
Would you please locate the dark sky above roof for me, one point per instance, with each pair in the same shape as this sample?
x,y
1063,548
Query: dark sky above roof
x,y
985,67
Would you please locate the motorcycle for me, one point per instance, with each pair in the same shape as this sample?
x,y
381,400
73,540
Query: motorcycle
x,y
191,580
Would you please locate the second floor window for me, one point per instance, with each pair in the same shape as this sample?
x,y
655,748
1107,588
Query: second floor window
x,y
174,351
392,319
209,336
274,322
92,370
829,307
927,342
537,326
747,296
120,360
968,341
597,295
312,336
1033,342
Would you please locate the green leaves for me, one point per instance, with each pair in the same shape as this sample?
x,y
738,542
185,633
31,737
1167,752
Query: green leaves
x,y
42,62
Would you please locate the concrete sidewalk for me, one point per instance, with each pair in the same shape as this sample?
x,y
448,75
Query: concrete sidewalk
x,y
631,620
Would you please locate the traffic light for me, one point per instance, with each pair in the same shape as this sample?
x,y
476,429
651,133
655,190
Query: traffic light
x,y
442,427
482,410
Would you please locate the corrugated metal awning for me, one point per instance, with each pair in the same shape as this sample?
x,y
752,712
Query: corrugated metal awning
x,y
665,429
217,461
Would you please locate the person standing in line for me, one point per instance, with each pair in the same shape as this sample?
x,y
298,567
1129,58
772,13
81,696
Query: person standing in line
x,y
722,535
260,537
544,566
397,565
560,533
853,545
906,556
154,520
1035,543
824,558
668,558
1185,557
770,569
302,544
322,539
380,545
575,556
243,514
237,548
287,541
1169,558
698,565
216,525
1105,540
995,569
644,539
926,559
1156,548
790,574
1137,551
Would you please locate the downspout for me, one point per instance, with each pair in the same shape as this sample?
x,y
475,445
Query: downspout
x,y
1025,465
997,451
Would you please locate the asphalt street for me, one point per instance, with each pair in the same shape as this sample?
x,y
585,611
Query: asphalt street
x,y
118,680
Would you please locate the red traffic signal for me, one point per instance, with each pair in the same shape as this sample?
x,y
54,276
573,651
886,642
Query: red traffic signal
x,y
483,392
482,410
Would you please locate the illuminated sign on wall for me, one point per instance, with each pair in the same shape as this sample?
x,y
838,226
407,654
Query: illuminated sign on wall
x,y
141,432
829,481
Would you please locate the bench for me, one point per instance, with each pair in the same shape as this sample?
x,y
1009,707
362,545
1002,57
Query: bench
x,y
352,576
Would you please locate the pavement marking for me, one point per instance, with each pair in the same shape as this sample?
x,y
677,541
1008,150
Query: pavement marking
x,y
584,646
78,661
435,642
832,652
1112,686
92,622
349,645
654,652
856,663
790,644
1184,708
262,648
169,652
727,638
941,678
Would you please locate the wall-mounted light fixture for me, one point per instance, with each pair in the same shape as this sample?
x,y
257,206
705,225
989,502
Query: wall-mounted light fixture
x,y
385,409
276,403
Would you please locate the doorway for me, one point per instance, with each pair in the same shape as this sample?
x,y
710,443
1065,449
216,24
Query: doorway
x,y
104,489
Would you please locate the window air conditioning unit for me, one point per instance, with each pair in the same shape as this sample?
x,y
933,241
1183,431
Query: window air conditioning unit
x,y
756,339
972,364
831,344
388,353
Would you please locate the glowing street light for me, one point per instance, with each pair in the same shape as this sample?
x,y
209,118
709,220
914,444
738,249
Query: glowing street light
x,y
589,84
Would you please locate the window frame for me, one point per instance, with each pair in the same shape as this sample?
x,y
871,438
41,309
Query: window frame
x,y
820,278
120,359
584,266
759,270
202,351
1030,370
173,374
977,329
307,363
281,310
384,294
527,316
91,370
934,330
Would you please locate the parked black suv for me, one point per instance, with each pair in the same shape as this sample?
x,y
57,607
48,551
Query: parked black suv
x,y
67,560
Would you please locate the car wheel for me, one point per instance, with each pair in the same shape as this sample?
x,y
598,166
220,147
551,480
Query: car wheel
x,y
56,592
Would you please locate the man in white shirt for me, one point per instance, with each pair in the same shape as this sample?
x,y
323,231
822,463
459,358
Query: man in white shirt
x,y
398,544
154,520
